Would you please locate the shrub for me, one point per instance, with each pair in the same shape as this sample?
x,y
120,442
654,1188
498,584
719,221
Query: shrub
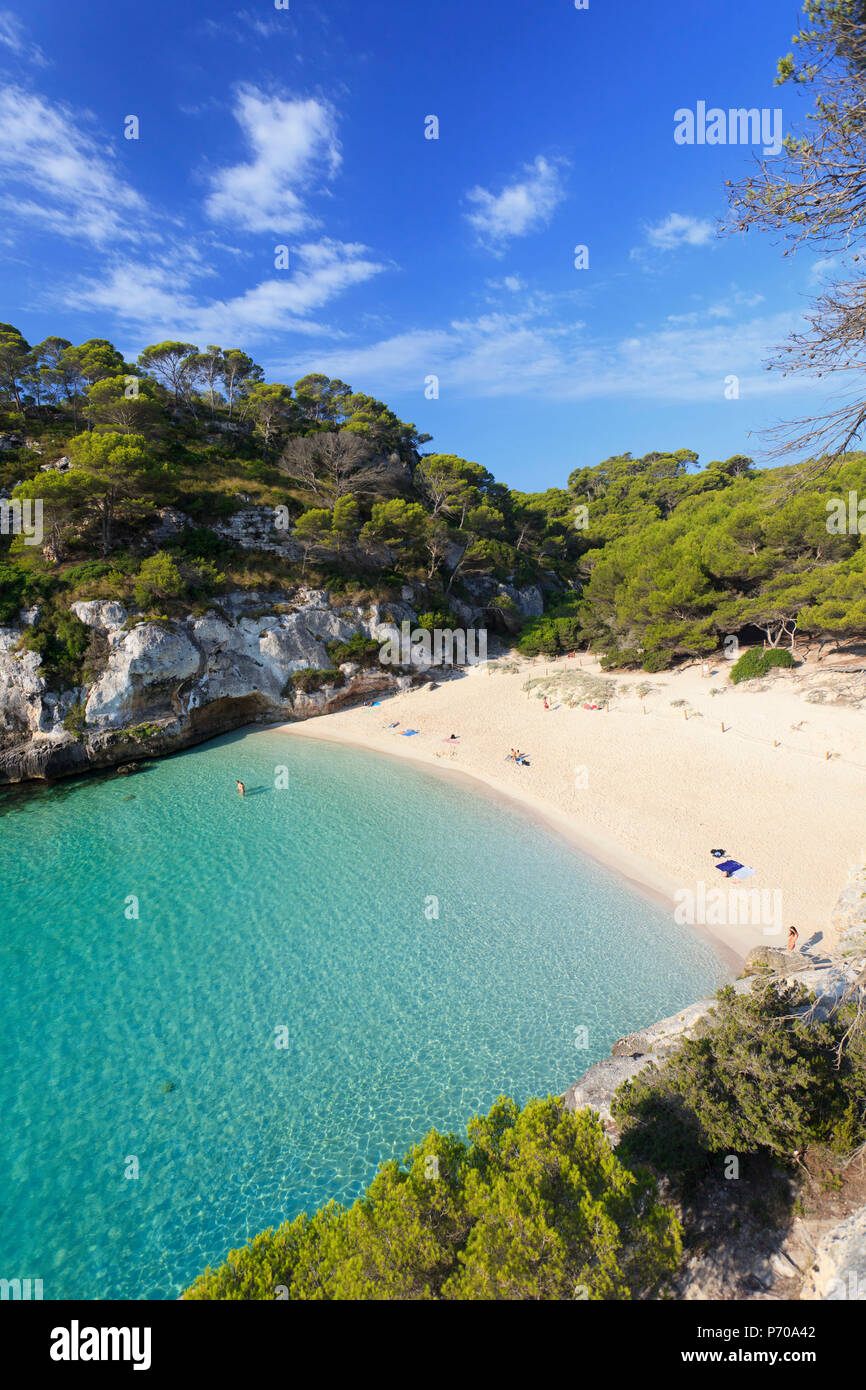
x,y
62,642
311,679
76,720
754,663
557,631
438,617
159,578
535,1206
764,1079
363,650
619,661
13,585
656,661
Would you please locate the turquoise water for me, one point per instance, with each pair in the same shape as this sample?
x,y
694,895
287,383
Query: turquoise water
x,y
310,909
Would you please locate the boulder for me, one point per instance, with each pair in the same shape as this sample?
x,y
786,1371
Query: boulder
x,y
102,614
772,960
595,1089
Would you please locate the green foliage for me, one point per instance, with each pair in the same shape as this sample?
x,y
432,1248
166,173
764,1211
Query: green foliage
x,y
13,586
358,648
62,642
648,555
558,631
766,1078
620,660
159,578
312,678
534,1206
442,618
757,663
655,661
76,719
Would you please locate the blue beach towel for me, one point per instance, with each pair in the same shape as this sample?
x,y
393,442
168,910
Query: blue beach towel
x,y
407,733
734,869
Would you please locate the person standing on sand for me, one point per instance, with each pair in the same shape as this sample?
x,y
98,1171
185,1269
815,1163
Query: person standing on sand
x,y
793,937
241,788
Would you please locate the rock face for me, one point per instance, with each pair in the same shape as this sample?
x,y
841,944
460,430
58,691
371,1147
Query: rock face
x,y
839,1269
164,685
773,959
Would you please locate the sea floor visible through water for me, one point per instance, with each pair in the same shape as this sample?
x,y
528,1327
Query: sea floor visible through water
x,y
222,1011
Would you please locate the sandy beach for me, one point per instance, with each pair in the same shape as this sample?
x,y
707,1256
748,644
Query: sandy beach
x,y
650,784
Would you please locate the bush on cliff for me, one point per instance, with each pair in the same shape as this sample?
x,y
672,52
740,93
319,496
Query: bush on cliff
x,y
534,1206
767,1079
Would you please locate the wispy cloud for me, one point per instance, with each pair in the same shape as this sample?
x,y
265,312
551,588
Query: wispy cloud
x,y
13,36
58,176
523,206
675,231
292,147
539,356
160,300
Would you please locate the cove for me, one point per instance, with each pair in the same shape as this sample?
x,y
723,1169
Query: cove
x,y
286,1011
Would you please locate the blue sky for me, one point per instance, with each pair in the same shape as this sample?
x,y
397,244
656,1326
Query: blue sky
x,y
413,257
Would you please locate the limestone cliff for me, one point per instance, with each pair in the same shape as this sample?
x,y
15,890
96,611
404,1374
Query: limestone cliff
x,y
164,685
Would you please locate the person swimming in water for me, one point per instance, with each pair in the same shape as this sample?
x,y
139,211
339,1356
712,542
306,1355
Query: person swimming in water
x,y
241,788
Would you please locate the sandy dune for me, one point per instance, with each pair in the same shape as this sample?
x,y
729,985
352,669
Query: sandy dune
x,y
650,787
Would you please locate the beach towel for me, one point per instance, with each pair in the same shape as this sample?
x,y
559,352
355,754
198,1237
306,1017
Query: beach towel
x,y
734,869
407,733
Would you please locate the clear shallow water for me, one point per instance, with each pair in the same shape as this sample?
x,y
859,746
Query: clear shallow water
x,y
302,907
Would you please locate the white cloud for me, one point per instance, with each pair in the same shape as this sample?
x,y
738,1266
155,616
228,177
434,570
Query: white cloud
x,y
57,174
292,145
159,301
528,355
823,266
512,283
522,207
677,230
13,36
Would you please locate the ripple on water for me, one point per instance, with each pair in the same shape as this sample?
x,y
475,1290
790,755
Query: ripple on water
x,y
152,1037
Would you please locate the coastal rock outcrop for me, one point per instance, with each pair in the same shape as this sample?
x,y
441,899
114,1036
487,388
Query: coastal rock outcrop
x,y
839,1268
830,981
163,685
773,959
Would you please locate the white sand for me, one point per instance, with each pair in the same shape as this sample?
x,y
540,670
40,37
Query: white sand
x,y
662,790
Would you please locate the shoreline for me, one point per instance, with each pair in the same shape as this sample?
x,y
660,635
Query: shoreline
x,y
640,877
658,792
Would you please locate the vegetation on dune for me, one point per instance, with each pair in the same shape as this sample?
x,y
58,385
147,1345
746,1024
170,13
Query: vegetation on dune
x,y
755,663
